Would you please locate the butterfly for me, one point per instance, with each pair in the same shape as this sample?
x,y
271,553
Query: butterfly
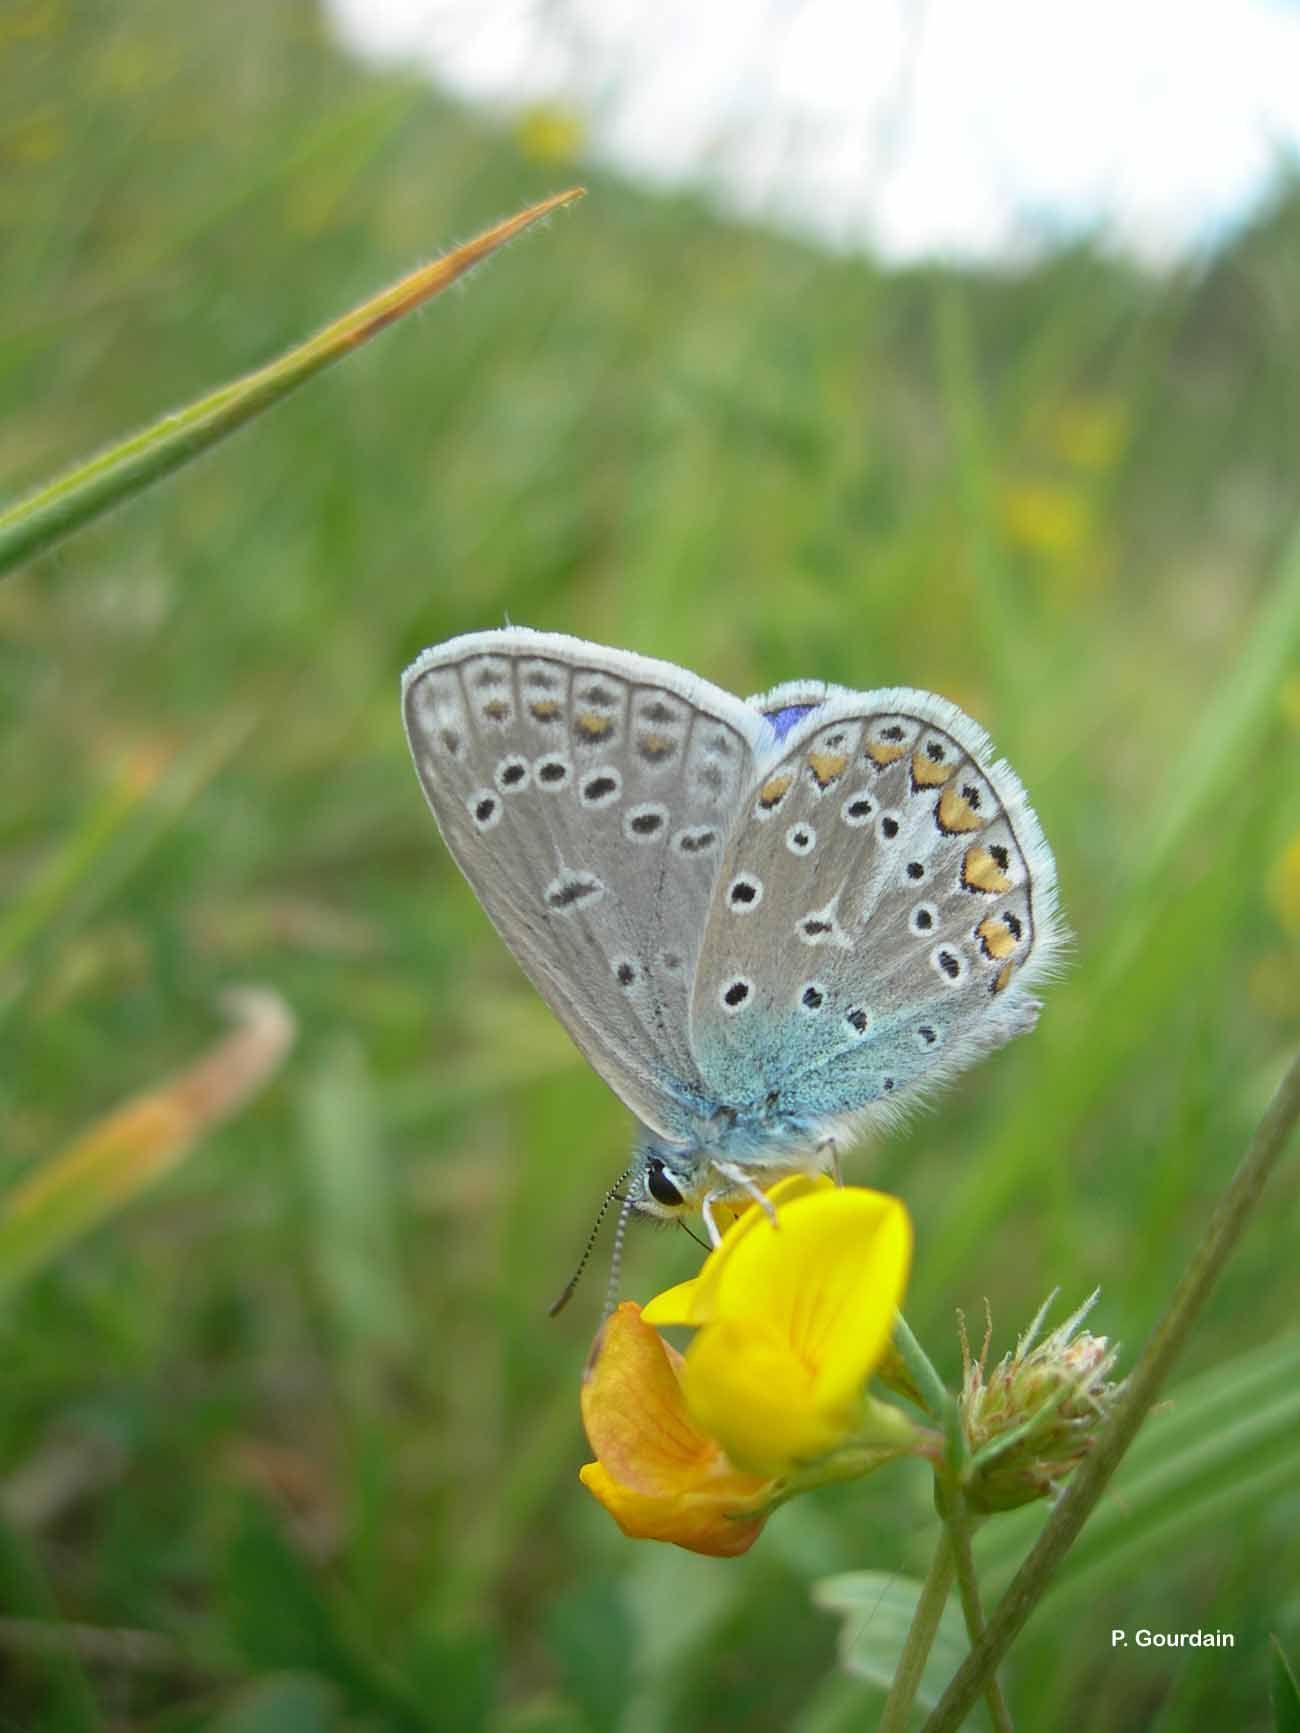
x,y
766,923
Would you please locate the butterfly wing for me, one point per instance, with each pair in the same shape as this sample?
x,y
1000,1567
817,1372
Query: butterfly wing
x,y
586,794
885,903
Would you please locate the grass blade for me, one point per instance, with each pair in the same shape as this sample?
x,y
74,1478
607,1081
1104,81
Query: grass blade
x,y
84,493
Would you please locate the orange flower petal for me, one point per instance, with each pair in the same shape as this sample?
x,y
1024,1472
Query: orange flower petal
x,y
634,1412
697,1523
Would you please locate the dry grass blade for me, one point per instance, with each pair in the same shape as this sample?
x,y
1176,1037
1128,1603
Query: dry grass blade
x,y
143,1139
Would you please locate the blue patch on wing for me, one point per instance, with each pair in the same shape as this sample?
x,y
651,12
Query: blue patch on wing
x,y
784,720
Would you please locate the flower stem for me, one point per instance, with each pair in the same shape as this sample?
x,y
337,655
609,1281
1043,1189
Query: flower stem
x,y
920,1639
85,492
1143,1386
951,1505
931,1387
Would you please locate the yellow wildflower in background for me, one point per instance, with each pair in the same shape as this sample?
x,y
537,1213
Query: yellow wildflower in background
x,y
1047,519
550,133
791,1319
1092,432
1284,887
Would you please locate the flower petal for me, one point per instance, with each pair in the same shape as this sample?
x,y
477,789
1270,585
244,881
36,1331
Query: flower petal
x,y
746,1388
700,1524
694,1302
673,1306
826,1281
634,1411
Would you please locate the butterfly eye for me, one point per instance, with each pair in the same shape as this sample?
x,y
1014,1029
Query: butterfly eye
x,y
658,1184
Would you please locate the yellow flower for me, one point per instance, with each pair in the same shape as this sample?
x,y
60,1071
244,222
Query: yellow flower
x,y
550,133
1284,887
1091,433
791,1319
1046,519
656,1474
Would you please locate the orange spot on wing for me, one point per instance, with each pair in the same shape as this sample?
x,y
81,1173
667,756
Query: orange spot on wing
x,y
498,710
1004,975
592,726
774,791
883,752
995,937
927,774
826,766
545,709
980,871
955,812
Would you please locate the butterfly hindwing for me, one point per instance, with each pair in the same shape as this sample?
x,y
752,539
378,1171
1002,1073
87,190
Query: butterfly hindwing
x,y
884,904
587,795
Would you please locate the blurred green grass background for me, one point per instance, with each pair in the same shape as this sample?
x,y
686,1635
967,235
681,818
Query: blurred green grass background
x,y
291,1444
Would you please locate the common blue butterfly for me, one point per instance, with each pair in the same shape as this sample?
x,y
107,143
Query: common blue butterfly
x,y
766,922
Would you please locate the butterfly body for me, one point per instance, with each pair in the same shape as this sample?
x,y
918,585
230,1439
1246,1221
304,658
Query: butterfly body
x,y
765,922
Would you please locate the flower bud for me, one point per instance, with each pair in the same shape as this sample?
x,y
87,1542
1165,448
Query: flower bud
x,y
1034,1417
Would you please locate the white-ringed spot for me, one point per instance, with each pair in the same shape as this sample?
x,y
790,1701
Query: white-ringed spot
x,y
600,788
744,894
645,823
949,962
734,995
552,773
696,839
512,775
801,839
485,808
570,890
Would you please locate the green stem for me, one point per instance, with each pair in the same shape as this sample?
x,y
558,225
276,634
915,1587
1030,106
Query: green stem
x,y
1140,1392
920,1639
951,1505
934,1391
84,493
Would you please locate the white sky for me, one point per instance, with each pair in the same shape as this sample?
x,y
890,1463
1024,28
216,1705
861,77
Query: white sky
x,y
975,128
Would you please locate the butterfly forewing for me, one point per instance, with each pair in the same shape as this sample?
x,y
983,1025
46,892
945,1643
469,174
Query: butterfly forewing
x,y
587,795
884,903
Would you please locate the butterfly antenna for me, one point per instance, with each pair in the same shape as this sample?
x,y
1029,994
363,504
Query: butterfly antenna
x,y
570,1286
616,1259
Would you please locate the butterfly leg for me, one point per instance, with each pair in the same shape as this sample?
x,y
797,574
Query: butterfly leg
x,y
738,1180
828,1151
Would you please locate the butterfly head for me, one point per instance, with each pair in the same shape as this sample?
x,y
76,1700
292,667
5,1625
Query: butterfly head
x,y
666,1183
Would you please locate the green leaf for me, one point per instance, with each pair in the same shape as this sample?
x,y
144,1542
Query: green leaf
x,y
591,1635
281,1621
350,1205
877,1608
453,1674
284,1703
1285,1692
24,1593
